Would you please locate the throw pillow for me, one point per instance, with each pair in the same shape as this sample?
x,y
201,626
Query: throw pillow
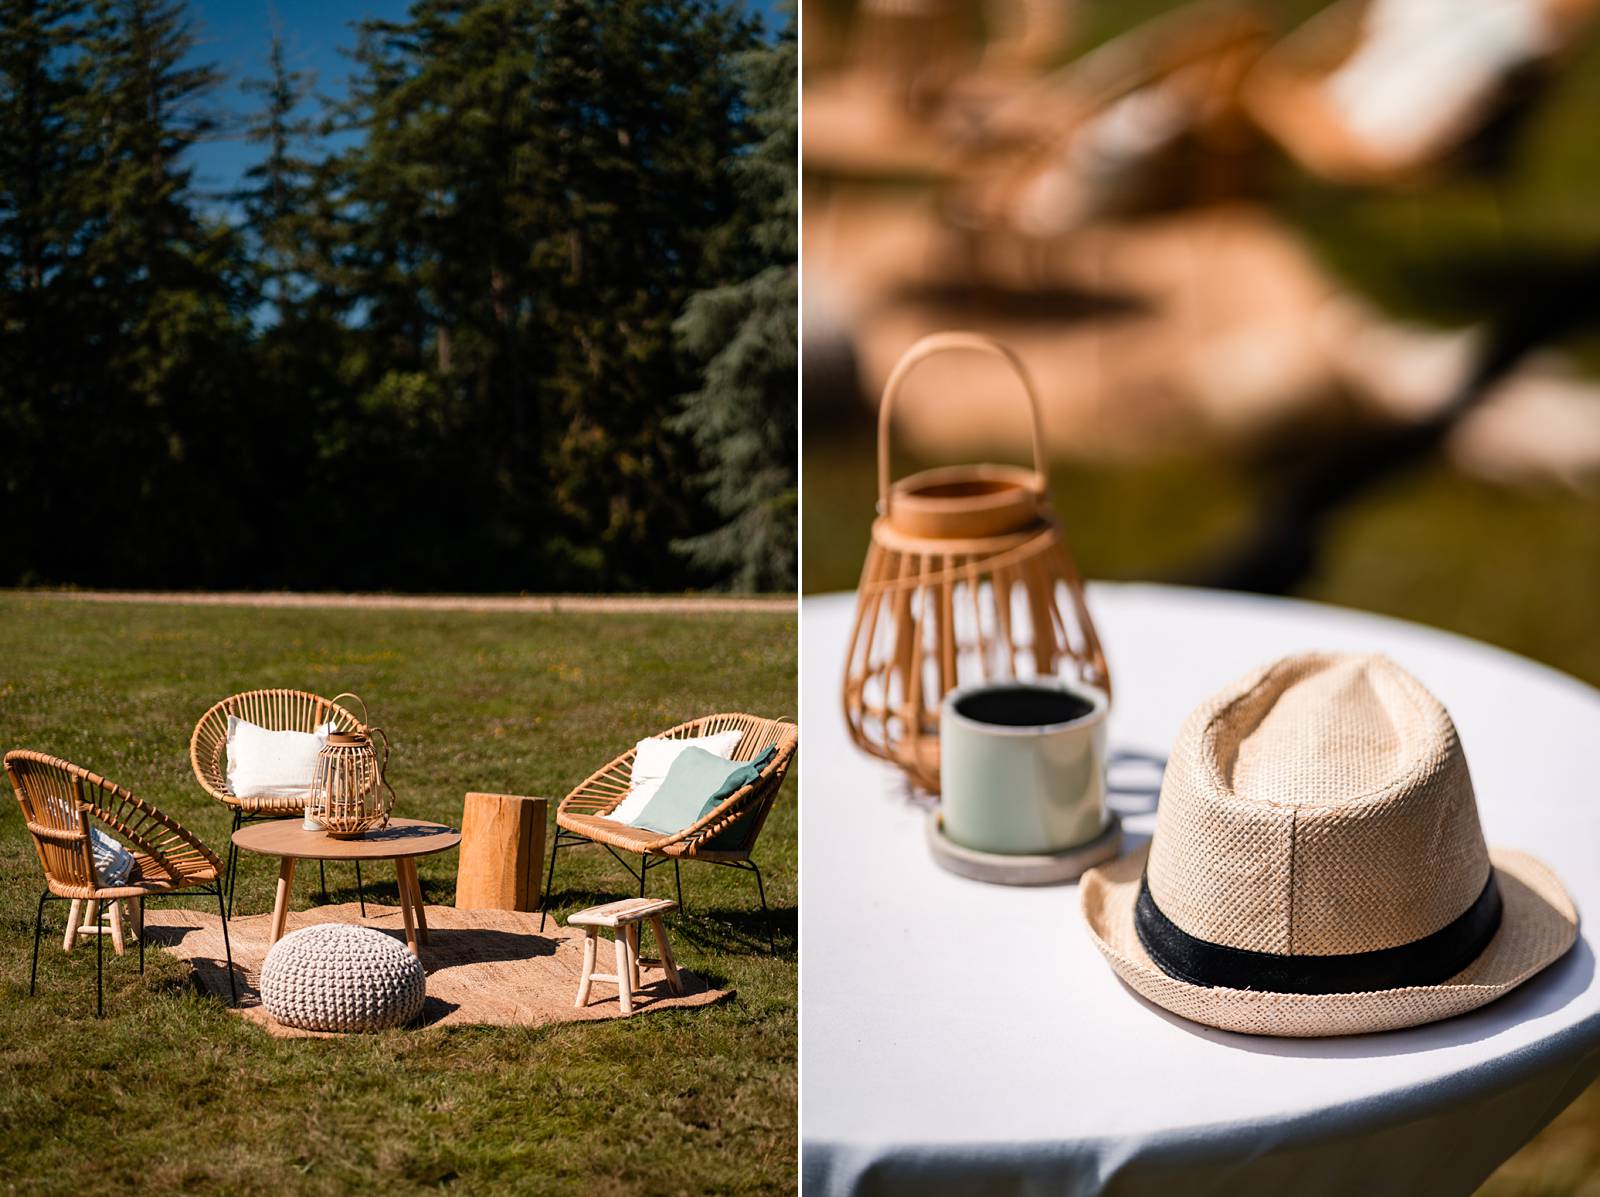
x,y
695,784
271,764
112,861
651,760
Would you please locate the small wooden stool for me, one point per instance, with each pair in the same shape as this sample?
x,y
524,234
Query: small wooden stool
x,y
624,917
83,918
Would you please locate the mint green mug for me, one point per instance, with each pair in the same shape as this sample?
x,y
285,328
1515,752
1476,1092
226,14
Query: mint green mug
x,y
1022,766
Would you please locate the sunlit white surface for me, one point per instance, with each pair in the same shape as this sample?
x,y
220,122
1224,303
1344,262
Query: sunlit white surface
x,y
946,1016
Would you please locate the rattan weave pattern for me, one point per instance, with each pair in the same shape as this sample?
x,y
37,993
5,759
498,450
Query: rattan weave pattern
x,y
1300,803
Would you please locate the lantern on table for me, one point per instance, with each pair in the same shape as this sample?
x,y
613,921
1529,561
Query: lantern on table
x,y
968,578
349,795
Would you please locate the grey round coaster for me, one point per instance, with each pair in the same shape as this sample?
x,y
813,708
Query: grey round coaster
x,y
1055,868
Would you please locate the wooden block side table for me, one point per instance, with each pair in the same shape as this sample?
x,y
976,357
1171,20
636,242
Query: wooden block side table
x,y
624,917
502,847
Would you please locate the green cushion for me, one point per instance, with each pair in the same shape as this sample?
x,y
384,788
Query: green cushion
x,y
697,781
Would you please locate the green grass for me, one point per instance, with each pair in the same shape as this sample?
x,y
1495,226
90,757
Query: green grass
x,y
171,1093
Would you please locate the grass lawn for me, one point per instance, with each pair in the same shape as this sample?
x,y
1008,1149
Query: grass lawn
x,y
171,1093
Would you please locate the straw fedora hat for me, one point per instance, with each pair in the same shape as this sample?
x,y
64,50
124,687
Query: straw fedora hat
x,y
1318,868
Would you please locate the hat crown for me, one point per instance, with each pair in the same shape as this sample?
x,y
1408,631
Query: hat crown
x,y
1320,806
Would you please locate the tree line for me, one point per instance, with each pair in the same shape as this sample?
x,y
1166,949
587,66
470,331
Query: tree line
x,y
516,313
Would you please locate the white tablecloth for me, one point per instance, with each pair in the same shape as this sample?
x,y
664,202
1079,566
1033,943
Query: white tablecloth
x,y
962,1037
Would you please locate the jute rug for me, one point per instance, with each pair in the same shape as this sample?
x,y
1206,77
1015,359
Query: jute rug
x,y
484,966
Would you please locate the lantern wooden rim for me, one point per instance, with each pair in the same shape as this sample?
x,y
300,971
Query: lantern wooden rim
x,y
966,500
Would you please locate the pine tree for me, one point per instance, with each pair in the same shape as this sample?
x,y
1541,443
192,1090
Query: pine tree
x,y
743,417
539,186
279,196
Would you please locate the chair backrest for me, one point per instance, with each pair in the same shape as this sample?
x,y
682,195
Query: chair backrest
x,y
278,710
759,735
56,811
58,799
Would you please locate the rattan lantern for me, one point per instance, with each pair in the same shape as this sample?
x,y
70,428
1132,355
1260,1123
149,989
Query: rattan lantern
x,y
968,578
349,795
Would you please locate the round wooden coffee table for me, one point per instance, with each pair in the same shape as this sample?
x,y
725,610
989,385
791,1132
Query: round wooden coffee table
x,y
402,841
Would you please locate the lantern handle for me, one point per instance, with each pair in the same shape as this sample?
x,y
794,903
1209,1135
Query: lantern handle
x,y
939,343
365,717
383,769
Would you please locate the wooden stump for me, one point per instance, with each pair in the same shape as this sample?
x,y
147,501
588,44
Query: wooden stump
x,y
502,847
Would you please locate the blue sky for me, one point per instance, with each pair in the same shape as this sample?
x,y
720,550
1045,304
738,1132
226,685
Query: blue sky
x,y
234,36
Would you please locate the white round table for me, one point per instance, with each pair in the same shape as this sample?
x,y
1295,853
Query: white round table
x,y
961,1037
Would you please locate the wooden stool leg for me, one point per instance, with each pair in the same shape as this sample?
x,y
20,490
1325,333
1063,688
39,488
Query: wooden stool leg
x,y
668,964
585,981
74,918
403,884
633,956
624,972
280,905
116,927
91,918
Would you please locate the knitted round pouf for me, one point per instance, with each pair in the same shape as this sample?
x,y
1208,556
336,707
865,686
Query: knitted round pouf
x,y
339,977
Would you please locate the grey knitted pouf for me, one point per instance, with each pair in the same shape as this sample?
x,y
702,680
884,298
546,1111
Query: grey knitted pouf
x,y
339,977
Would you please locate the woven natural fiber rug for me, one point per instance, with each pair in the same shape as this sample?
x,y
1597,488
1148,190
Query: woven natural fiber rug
x,y
484,966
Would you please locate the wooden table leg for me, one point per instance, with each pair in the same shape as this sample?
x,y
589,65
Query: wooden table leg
x,y
403,884
280,905
418,906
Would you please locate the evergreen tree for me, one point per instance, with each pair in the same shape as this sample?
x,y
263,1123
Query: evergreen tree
x,y
279,195
156,304
538,187
743,418
42,182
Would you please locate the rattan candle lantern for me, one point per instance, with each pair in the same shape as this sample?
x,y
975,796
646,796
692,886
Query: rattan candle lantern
x,y
349,795
968,578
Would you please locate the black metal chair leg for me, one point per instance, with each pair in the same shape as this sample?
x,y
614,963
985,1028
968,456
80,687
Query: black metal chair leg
x,y
550,879
766,915
361,894
38,927
644,871
141,935
233,857
99,976
677,876
322,873
227,950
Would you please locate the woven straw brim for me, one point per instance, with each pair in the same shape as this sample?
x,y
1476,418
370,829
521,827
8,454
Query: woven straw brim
x,y
1537,927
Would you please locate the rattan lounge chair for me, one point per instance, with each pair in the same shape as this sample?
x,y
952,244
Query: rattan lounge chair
x,y
725,837
57,799
278,710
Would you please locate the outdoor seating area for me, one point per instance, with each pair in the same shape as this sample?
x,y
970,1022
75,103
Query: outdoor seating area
x,y
279,779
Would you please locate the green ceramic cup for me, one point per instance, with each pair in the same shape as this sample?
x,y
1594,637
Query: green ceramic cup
x,y
1022,766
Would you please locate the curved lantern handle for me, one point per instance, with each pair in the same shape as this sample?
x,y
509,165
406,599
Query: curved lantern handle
x,y
365,716
382,778
940,343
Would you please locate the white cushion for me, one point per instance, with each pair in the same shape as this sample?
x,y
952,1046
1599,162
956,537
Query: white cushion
x,y
271,764
651,760
112,861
